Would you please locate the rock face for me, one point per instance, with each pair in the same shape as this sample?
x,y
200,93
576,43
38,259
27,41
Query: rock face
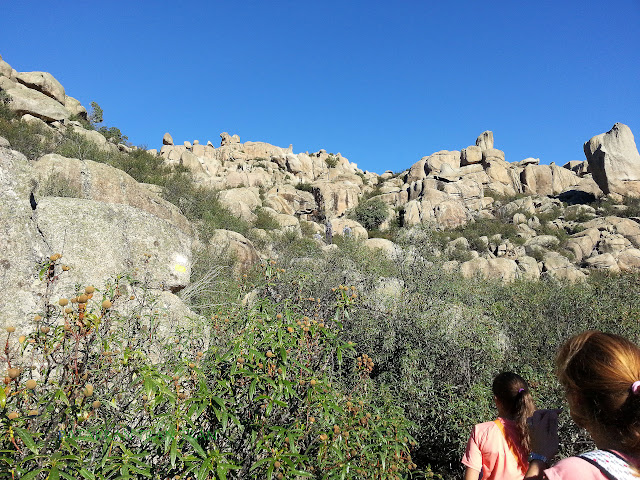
x,y
614,161
97,239
100,239
301,191
22,245
28,101
226,242
38,94
100,182
44,83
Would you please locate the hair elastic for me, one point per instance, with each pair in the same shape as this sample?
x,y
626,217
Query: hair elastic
x,y
635,387
522,389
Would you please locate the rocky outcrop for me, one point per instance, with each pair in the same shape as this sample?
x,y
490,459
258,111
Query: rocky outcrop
x,y
23,248
43,82
614,161
38,94
100,182
99,240
235,245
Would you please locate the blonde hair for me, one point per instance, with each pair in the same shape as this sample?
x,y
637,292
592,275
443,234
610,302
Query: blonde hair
x,y
600,368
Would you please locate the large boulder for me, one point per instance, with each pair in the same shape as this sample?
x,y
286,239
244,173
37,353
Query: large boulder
x,y
98,181
470,155
75,107
43,82
485,140
241,202
5,68
560,268
335,198
582,243
26,100
99,240
350,227
614,161
494,268
226,243
434,162
386,247
23,247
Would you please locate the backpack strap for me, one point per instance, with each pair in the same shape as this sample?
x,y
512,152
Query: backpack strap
x,y
515,453
612,465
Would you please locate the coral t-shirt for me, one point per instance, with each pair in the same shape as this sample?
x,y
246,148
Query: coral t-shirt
x,y
489,452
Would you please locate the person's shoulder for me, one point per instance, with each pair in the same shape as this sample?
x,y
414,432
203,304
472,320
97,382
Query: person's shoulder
x,y
485,428
486,425
573,467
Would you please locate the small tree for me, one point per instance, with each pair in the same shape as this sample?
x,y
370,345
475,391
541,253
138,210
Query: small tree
x,y
371,213
96,117
331,161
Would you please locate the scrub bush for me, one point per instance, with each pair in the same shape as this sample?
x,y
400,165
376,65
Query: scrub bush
x,y
92,392
371,213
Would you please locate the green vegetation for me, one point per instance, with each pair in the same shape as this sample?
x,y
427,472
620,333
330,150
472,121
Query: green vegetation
x,y
277,394
371,213
439,340
630,207
305,187
199,205
265,220
331,161
324,364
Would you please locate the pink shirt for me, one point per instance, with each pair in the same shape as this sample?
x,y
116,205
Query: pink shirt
x,y
574,467
489,452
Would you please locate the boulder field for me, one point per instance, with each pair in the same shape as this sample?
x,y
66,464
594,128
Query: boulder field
x,y
115,224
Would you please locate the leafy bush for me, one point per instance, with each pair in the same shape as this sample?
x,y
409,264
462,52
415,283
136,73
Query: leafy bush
x,y
630,207
371,213
304,186
110,398
265,220
331,161
440,339
200,205
58,185
113,134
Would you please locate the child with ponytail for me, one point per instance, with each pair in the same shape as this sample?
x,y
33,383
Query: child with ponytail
x,y
600,373
498,450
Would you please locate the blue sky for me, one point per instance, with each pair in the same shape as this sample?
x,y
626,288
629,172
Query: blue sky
x,y
384,83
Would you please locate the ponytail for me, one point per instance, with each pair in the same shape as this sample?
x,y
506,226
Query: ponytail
x,y
523,409
513,392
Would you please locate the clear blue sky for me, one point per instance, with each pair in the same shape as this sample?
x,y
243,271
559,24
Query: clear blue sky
x,y
384,83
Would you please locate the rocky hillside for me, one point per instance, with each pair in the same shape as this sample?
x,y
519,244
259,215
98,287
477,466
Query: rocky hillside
x,y
485,215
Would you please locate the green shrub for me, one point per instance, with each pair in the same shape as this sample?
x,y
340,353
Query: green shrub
x,y
265,220
114,400
630,207
371,213
304,186
201,206
331,161
57,185
113,134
